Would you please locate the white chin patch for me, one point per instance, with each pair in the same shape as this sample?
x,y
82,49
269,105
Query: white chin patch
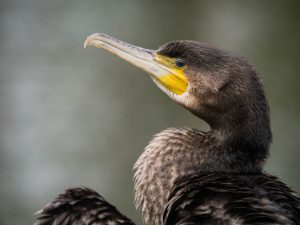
x,y
184,99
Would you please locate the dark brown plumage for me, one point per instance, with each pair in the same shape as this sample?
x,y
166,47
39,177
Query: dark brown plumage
x,y
186,176
81,206
212,198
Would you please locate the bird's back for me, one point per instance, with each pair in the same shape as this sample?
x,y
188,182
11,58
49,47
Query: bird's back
x,y
228,199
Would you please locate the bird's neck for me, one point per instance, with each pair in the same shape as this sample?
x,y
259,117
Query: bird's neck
x,y
242,140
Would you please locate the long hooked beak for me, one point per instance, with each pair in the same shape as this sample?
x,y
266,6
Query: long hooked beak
x,y
156,65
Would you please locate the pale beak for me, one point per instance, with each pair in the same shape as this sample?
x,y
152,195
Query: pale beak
x,y
140,57
162,73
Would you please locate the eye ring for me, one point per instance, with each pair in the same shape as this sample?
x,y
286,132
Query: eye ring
x,y
180,63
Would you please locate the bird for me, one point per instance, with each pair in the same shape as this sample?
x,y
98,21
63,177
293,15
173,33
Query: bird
x,y
186,176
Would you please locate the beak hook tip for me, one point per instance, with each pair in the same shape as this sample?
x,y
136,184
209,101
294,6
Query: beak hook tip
x,y
86,43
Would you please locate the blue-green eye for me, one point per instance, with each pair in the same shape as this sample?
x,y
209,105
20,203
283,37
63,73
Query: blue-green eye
x,y
180,62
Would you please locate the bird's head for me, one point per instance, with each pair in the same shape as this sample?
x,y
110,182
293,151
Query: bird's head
x,y
213,84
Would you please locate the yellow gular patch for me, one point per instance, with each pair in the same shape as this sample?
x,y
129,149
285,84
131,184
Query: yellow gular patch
x,y
175,81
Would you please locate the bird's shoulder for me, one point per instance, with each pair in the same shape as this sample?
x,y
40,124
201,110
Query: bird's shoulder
x,y
226,199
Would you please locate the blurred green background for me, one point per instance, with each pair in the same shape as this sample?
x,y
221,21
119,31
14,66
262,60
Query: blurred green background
x,y
71,116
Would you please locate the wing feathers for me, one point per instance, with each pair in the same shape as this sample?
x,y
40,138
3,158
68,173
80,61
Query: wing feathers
x,y
80,206
228,199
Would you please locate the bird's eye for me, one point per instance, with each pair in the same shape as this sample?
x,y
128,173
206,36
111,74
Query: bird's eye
x,y
180,63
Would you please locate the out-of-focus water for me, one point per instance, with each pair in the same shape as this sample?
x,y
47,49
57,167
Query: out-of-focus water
x,y
71,116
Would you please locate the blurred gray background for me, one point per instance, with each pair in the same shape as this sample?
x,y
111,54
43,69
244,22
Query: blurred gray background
x,y
71,116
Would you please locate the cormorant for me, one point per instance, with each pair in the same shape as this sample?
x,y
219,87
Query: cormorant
x,y
186,176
